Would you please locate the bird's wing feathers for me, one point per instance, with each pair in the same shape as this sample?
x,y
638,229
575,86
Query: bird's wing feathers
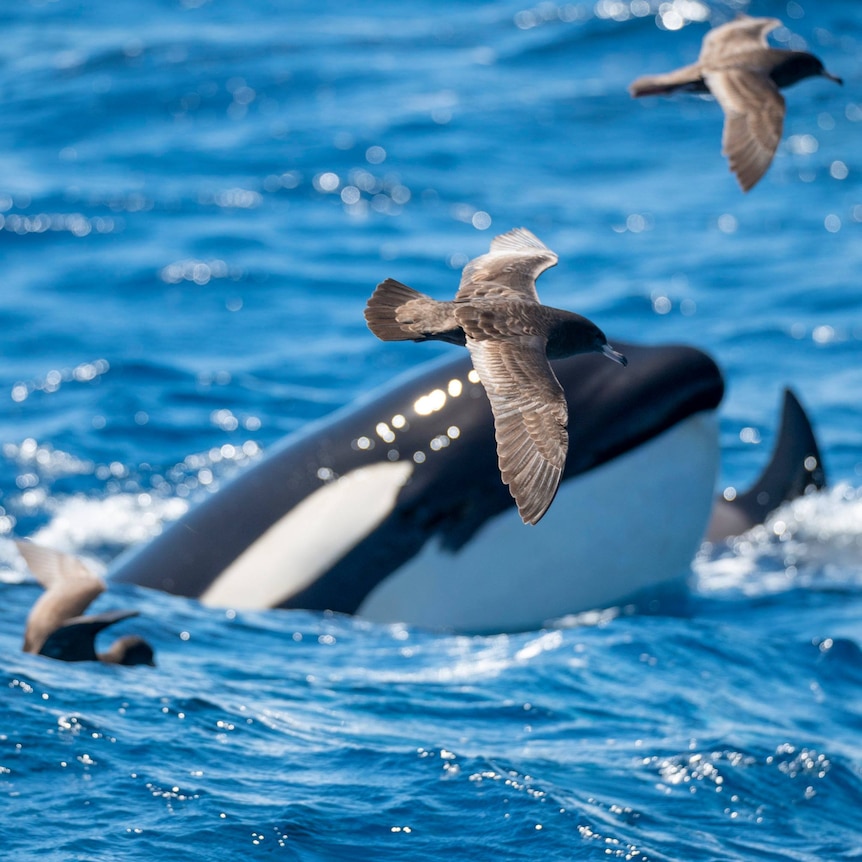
x,y
55,569
530,418
754,117
69,584
742,34
75,640
510,268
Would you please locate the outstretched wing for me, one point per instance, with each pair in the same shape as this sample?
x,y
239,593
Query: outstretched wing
x,y
739,36
69,584
530,418
510,268
75,640
754,118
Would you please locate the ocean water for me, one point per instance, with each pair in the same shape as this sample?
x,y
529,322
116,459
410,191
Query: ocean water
x,y
196,199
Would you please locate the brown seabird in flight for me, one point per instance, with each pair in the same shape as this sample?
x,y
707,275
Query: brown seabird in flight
x,y
55,625
511,336
743,72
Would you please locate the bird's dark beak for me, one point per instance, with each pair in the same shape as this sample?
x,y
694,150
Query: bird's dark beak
x,y
832,77
613,354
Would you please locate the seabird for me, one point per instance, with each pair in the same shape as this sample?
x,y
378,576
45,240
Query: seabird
x,y
511,336
55,625
740,69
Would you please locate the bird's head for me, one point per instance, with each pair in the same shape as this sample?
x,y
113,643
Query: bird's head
x,y
799,66
575,334
130,650
611,353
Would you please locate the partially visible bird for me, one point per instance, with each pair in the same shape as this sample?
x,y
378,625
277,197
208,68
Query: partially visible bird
x,y
55,625
511,336
743,72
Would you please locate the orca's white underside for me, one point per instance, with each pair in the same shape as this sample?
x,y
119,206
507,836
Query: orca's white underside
x,y
632,524
625,527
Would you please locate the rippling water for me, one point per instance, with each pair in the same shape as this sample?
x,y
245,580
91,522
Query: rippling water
x,y
196,199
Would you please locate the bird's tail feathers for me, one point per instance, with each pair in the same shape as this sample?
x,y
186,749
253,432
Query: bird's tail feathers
x,y
687,78
381,313
651,85
643,88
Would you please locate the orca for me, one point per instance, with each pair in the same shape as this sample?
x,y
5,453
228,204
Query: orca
x,y
393,508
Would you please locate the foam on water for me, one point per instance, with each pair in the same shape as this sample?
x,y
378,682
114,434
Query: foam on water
x,y
814,542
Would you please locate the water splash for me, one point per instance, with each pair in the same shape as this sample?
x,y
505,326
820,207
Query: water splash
x,y
814,541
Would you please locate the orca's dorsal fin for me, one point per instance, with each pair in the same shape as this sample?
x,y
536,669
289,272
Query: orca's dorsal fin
x,y
795,467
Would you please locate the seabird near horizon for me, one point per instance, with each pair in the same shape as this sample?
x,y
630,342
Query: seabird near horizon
x,y
511,336
56,626
744,73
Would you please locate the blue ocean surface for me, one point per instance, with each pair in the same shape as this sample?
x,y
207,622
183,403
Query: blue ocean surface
x,y
196,199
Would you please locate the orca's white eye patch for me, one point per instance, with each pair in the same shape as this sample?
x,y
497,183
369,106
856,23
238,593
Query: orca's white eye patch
x,y
310,538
